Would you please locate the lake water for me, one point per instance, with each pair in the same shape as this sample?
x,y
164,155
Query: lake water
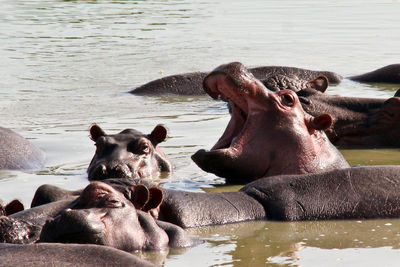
x,y
67,64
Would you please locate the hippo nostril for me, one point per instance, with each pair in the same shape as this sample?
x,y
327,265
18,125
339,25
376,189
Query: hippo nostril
x,y
122,170
102,169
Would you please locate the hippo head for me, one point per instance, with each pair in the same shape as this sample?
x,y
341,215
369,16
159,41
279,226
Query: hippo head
x,y
268,134
104,216
128,154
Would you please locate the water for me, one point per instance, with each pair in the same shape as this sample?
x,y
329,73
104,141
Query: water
x,y
67,64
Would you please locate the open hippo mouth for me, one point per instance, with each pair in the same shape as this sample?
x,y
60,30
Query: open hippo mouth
x,y
238,153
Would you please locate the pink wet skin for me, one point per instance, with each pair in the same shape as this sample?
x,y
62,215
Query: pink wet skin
x,y
268,134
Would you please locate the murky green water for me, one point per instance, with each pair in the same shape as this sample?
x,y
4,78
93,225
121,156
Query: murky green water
x,y
67,64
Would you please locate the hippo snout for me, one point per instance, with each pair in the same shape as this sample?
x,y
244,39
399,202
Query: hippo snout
x,y
73,226
120,170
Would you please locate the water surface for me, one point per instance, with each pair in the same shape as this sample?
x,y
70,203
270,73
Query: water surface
x,y
67,64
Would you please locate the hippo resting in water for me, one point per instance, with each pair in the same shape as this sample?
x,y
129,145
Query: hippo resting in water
x,y
16,153
44,254
191,83
358,122
128,154
350,193
268,134
100,215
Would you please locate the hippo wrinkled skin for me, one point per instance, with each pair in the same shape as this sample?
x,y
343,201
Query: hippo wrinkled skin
x,y
128,154
268,134
17,153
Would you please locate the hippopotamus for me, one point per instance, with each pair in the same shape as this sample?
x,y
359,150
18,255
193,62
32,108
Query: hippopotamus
x,y
387,74
191,83
45,254
268,134
349,193
100,215
358,122
17,153
128,154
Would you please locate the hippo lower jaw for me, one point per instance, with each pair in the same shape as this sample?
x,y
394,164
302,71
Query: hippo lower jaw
x,y
224,163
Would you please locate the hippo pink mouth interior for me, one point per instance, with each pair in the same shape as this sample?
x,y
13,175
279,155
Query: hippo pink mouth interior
x,y
221,87
232,156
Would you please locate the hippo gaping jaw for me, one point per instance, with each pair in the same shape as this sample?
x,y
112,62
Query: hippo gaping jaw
x,y
268,134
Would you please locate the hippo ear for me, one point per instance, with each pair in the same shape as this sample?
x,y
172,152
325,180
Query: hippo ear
x,y
156,198
14,207
321,122
320,83
158,134
141,196
95,132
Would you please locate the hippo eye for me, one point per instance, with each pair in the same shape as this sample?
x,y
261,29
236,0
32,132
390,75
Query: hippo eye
x,y
288,100
109,202
141,147
145,148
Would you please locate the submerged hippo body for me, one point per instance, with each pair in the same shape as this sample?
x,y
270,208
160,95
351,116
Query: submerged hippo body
x,y
268,134
16,153
358,122
100,215
350,193
128,154
66,255
387,74
191,83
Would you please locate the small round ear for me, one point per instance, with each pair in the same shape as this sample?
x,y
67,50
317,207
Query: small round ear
x,y
14,207
321,122
140,197
95,132
320,83
158,134
156,198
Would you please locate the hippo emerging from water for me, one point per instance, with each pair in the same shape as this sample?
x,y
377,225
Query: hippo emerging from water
x,y
81,255
350,193
16,153
271,76
358,122
268,134
128,154
100,215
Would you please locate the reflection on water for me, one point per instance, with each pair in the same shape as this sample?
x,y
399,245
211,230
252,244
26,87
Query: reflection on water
x,y
67,64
